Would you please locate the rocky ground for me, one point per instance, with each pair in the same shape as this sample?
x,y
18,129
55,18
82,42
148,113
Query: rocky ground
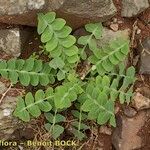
x,y
131,18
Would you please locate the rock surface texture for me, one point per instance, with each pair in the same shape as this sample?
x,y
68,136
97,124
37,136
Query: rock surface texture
x,y
125,136
131,8
109,35
83,11
76,12
10,41
10,7
8,123
144,49
141,102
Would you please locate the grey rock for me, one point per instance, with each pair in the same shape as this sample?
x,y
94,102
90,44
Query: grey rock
x,y
109,35
144,49
12,7
125,136
131,8
13,40
8,123
10,41
95,10
76,12
141,102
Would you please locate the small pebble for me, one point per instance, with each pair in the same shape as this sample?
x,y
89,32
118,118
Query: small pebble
x,y
105,130
114,27
115,20
138,31
130,112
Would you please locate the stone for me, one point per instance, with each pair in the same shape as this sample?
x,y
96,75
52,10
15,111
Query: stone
x,y
114,27
13,7
79,12
12,41
105,130
131,8
76,12
130,112
109,35
141,102
125,135
144,49
8,123
138,31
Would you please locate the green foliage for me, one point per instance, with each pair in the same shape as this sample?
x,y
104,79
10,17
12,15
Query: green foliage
x,y
56,36
104,60
52,126
33,105
122,84
97,104
60,98
109,80
78,127
100,94
90,40
66,94
30,71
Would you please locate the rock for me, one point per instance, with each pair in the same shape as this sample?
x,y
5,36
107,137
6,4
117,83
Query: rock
x,y
144,49
109,35
125,136
8,123
105,130
144,90
80,12
131,8
145,134
14,7
24,12
12,41
76,12
114,27
129,112
145,16
141,102
138,31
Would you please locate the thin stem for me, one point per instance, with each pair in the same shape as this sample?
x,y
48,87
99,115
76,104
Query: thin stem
x,y
4,94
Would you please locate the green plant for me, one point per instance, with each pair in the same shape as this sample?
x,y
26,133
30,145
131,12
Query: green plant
x,y
100,94
89,41
33,105
105,59
52,126
78,126
58,43
107,81
30,71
